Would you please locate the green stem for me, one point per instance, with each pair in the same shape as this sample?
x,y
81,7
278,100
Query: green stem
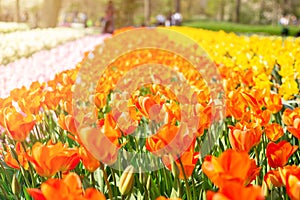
x,y
189,195
194,187
115,181
110,194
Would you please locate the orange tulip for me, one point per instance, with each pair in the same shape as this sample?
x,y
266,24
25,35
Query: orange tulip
x,y
289,116
230,166
292,185
295,129
110,129
292,119
51,100
274,131
251,102
18,125
100,99
49,159
69,124
273,102
69,187
236,191
188,159
235,105
21,160
32,101
273,178
205,119
288,169
278,154
89,162
99,145
243,136
261,118
170,139
3,104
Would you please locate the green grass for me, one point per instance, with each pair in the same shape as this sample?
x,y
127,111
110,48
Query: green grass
x,y
240,28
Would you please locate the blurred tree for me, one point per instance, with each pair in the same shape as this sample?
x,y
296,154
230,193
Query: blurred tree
x,y
261,11
177,6
128,11
147,12
188,4
1,12
49,13
17,14
237,10
222,9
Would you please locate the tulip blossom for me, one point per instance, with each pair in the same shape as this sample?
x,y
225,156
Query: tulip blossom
x,y
292,119
236,191
243,136
70,187
49,159
292,184
99,145
274,131
188,160
18,125
69,124
278,154
89,162
170,139
21,158
273,178
273,102
230,166
286,170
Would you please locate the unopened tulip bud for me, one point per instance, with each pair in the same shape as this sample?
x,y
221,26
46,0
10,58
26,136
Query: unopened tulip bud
x,y
148,184
15,186
126,180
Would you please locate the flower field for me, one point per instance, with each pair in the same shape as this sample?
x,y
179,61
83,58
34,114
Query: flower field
x,y
34,68
23,43
62,139
6,27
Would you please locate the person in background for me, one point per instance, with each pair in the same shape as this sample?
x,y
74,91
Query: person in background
x,y
160,20
284,22
176,19
108,20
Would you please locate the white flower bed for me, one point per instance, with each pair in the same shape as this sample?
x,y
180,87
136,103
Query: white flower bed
x,y
43,65
7,27
16,45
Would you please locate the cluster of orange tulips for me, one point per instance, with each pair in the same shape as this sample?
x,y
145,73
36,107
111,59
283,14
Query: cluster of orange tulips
x,y
47,153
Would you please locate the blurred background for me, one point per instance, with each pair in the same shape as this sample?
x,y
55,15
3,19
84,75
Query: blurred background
x,y
50,13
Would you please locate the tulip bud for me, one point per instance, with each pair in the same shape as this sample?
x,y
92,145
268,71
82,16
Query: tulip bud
x,y
126,180
15,186
148,184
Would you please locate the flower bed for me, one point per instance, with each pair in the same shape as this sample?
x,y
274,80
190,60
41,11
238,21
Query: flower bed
x,y
21,44
8,27
34,68
255,155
